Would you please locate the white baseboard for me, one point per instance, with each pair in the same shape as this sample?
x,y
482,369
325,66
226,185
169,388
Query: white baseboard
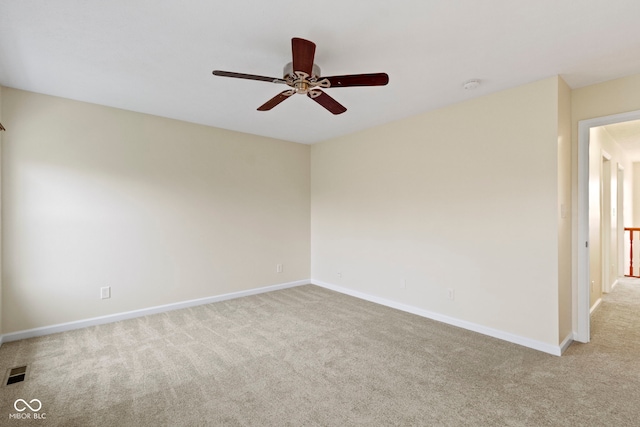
x,y
595,306
555,350
62,327
564,345
615,284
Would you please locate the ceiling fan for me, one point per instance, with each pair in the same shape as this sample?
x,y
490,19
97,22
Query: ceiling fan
x,y
303,76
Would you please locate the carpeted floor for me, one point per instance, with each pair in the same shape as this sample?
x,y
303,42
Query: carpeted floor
x,y
307,356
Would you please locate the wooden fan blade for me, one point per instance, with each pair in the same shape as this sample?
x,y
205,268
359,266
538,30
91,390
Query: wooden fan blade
x,y
326,101
375,79
303,52
276,100
247,76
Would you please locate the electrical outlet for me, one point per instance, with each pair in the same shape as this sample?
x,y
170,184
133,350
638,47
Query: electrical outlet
x,y
339,275
403,283
278,268
451,294
105,292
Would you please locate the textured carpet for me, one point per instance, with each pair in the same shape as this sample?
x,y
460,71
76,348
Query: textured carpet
x,y
307,356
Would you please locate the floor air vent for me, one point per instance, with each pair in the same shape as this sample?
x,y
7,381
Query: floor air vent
x,y
16,375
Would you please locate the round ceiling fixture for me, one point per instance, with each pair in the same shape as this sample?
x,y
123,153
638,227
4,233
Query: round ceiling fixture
x,y
471,84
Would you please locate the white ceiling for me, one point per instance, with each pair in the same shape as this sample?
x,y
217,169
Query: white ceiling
x,y
156,56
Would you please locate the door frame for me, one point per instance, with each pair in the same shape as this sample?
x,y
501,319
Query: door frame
x,y
606,168
620,219
581,299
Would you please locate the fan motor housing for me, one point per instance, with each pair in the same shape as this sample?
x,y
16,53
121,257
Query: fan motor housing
x,y
288,71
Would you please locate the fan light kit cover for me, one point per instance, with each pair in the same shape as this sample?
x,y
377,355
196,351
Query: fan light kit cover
x,y
304,78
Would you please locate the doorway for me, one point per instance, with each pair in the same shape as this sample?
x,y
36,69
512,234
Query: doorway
x,y
582,286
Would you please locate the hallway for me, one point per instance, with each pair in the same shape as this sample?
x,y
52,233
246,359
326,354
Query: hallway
x,y
616,322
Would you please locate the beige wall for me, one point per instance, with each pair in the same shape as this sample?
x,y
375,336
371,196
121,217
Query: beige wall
x,y
564,208
604,99
462,198
469,198
160,210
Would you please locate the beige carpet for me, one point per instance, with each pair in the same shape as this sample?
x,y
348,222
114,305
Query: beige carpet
x,y
307,356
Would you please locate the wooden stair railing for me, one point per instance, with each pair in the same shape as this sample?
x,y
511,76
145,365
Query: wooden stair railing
x,y
631,231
